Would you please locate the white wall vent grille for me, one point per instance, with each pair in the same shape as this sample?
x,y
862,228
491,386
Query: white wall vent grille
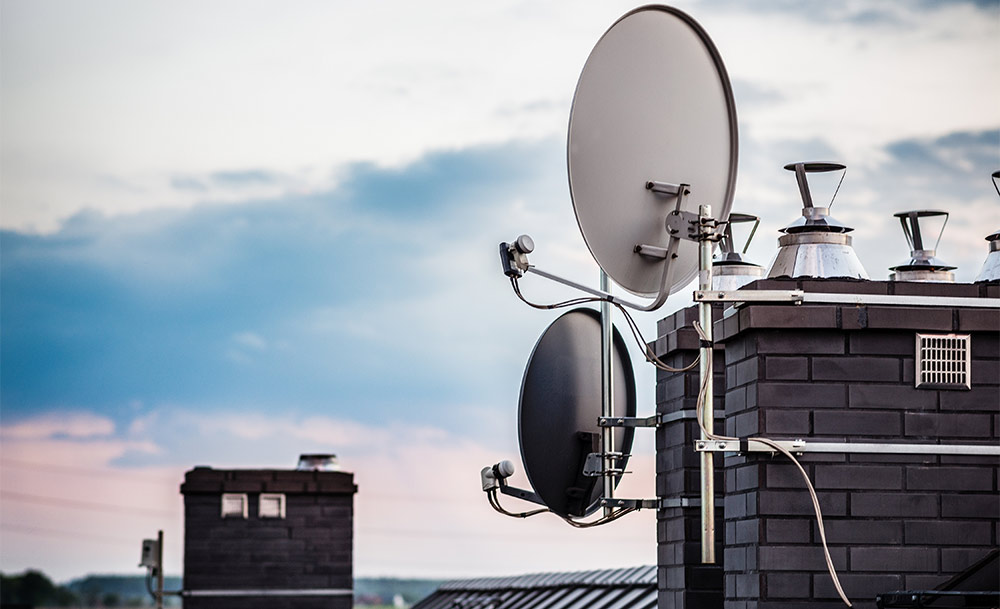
x,y
234,505
943,361
272,505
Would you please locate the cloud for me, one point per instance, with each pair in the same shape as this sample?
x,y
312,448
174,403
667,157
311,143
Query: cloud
x,y
382,298
245,346
377,293
960,155
750,95
859,87
340,84
188,183
445,180
65,424
864,13
538,106
247,177
339,90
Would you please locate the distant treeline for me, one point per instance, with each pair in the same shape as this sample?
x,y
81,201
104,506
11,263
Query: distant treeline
x,y
35,589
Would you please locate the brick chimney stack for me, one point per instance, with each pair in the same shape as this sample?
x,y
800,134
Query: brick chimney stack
x,y
831,373
265,538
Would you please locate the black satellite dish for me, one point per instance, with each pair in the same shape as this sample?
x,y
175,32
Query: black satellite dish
x,y
557,418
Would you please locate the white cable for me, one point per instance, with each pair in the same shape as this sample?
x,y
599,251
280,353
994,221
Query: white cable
x,y
782,450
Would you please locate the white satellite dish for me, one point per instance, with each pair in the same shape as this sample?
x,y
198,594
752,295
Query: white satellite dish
x,y
653,105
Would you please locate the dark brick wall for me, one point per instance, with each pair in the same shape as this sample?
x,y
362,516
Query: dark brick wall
x,y
683,581
833,373
845,373
311,548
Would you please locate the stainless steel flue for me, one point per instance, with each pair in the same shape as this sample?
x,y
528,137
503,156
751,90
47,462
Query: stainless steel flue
x,y
729,270
922,265
991,268
816,244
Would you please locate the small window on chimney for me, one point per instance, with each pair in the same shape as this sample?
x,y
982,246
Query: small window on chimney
x,y
943,361
272,505
234,505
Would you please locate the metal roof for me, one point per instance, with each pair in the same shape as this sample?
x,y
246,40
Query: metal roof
x,y
633,588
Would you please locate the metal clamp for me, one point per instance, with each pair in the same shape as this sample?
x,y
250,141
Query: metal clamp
x,y
593,466
749,296
653,421
683,225
744,446
650,504
656,420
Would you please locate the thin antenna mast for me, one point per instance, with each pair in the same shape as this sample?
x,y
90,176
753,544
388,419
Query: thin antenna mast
x,y
607,394
705,375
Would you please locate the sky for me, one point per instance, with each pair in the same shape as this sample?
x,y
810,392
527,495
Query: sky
x,y
234,232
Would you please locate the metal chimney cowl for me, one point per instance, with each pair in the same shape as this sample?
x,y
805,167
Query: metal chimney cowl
x,y
922,265
728,276
991,268
730,271
316,462
817,244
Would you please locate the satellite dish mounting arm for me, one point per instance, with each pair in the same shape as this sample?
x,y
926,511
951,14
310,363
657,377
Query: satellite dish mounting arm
x,y
679,225
494,478
520,493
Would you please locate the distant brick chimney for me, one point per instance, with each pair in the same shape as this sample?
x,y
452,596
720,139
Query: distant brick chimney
x,y
831,373
265,538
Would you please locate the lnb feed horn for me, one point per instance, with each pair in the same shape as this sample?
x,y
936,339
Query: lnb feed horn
x,y
514,256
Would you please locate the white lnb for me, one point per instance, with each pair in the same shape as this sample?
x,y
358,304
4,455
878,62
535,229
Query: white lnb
x,y
504,469
524,244
491,475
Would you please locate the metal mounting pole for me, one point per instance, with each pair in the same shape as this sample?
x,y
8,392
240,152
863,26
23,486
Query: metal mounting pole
x,y
607,393
159,569
705,377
